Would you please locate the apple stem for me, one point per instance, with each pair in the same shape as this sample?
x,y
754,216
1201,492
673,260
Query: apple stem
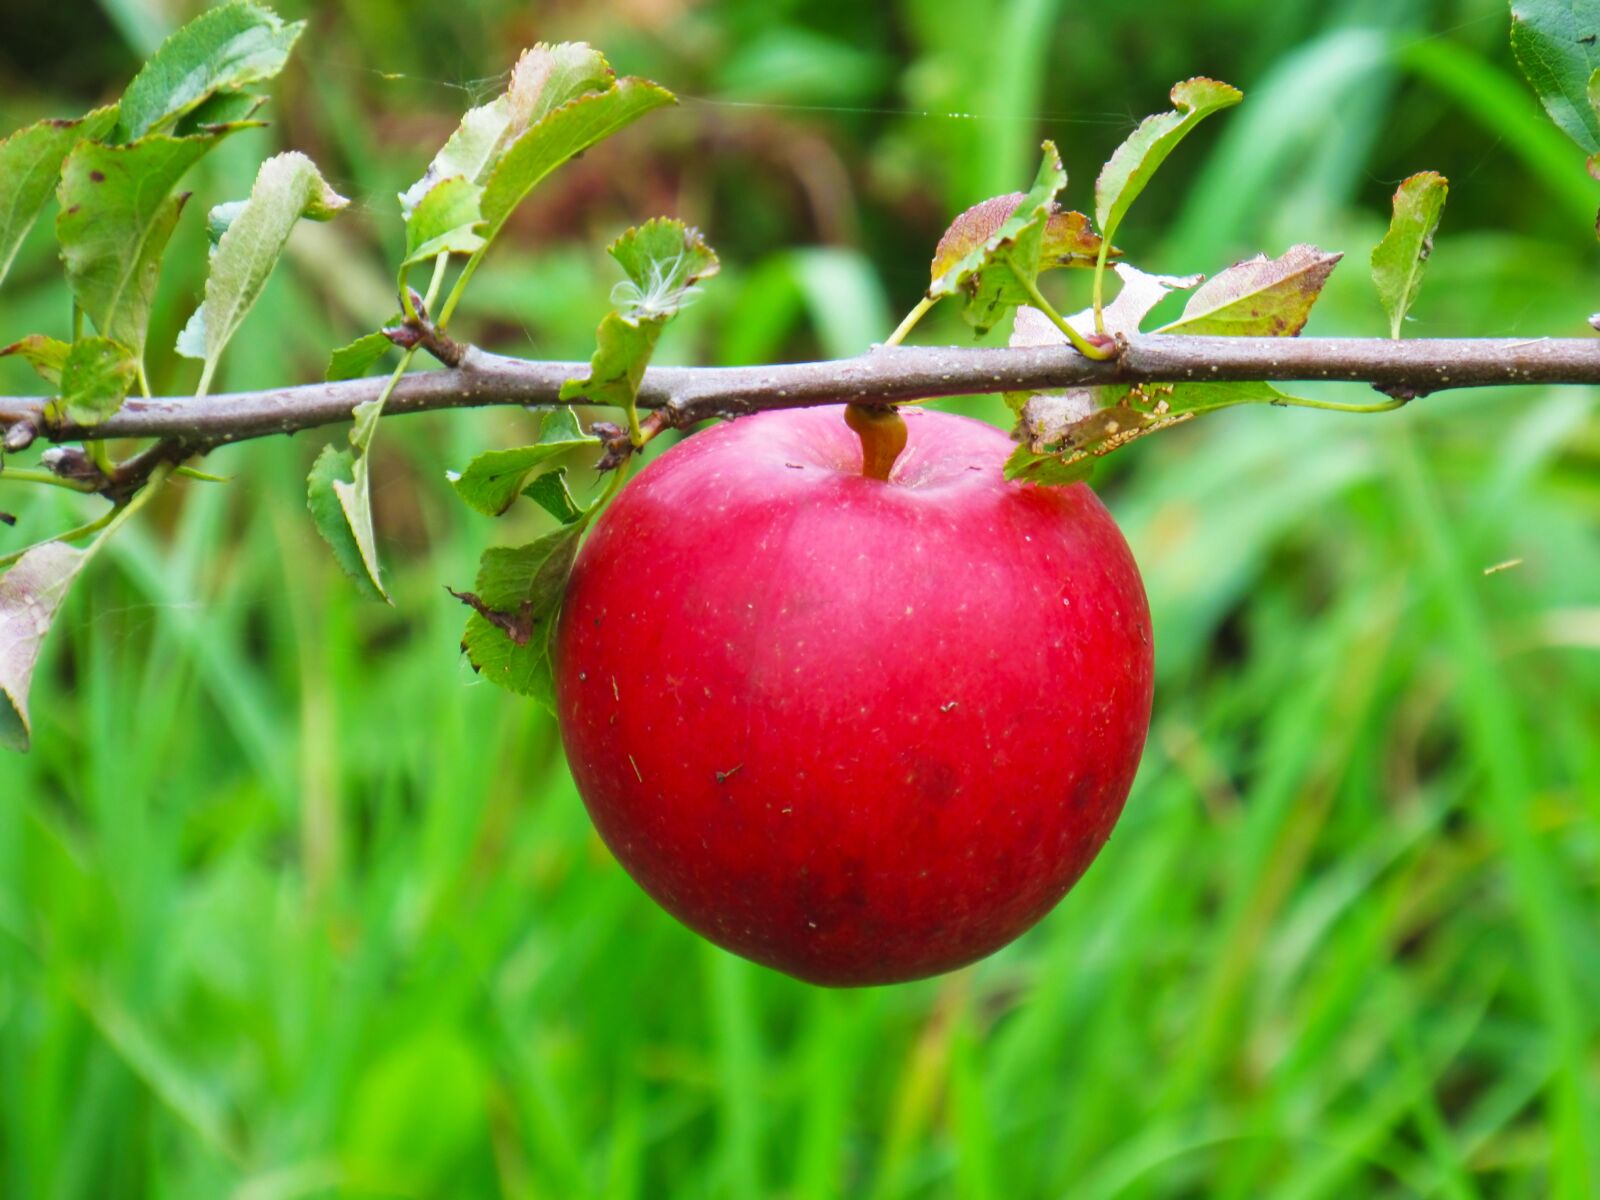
x,y
883,435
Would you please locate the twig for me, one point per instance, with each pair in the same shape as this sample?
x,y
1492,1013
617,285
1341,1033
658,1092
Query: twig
x,y
882,376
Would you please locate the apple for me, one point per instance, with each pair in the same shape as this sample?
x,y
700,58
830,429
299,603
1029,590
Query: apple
x,y
862,730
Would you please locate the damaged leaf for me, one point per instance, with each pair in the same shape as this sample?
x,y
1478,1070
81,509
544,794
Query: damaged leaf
x,y
1260,297
1068,240
46,355
999,272
1122,414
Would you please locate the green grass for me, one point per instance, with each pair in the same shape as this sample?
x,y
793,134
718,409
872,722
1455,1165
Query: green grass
x,y
291,905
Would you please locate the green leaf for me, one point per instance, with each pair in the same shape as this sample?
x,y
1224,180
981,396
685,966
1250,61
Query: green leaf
x,y
116,217
44,354
445,222
622,352
223,48
1398,260
222,113
1068,240
360,356
1557,45
663,260
30,164
287,187
518,599
550,492
1132,164
334,467
95,379
31,593
492,481
560,134
1045,469
544,78
355,493
1260,297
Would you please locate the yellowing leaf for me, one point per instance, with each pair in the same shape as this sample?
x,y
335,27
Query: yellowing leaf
x,y
1260,297
31,593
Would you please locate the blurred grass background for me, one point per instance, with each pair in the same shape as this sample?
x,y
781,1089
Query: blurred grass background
x,y
291,906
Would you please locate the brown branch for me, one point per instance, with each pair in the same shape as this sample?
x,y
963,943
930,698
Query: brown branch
x,y
688,394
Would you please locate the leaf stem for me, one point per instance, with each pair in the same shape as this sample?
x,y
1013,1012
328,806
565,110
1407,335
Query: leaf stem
x,y
1334,406
910,321
103,521
434,284
1079,342
1100,283
23,475
459,288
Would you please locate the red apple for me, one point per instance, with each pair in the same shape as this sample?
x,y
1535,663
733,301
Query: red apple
x,y
862,731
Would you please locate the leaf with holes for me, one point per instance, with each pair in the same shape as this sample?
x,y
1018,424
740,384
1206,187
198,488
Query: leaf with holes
x,y
1399,259
221,50
31,593
287,187
493,480
1260,297
30,164
1121,414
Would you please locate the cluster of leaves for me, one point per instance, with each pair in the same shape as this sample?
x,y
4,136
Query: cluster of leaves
x,y
113,173
992,256
559,101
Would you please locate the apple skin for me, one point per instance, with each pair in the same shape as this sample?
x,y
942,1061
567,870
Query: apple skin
x,y
858,731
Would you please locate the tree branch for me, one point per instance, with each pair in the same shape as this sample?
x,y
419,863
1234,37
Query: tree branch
x,y
688,394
